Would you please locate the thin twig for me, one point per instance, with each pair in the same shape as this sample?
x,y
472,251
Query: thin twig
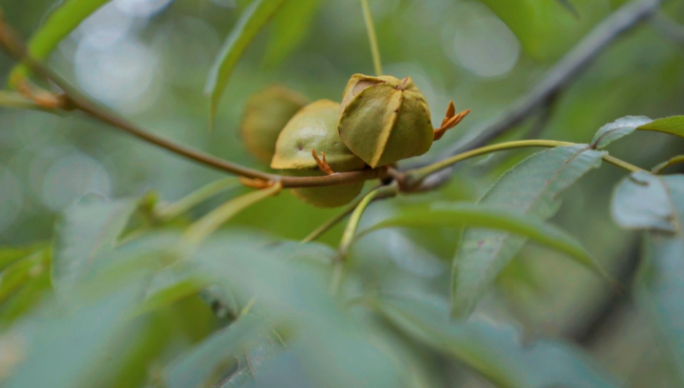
x,y
565,71
75,100
414,177
350,231
668,28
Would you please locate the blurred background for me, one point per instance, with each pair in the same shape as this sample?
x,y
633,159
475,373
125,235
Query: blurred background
x,y
148,60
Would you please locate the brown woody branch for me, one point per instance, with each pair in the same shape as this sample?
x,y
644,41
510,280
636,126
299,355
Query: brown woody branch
x,y
74,100
566,70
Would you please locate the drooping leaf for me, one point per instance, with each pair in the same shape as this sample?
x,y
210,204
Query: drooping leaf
x,y
209,363
530,189
86,231
252,361
492,349
656,203
61,22
250,23
618,129
296,292
70,346
673,125
641,201
483,216
290,27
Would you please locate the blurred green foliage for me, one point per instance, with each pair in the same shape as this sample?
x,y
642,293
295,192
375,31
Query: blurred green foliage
x,y
254,303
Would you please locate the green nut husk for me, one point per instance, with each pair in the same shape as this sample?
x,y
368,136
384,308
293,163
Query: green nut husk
x,y
315,127
266,114
384,119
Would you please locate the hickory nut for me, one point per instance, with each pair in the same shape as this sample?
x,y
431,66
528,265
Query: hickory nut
x,y
384,119
266,114
314,127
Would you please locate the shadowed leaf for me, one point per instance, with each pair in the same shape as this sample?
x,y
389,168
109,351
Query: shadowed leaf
x,y
529,189
482,216
657,204
87,230
641,201
493,350
210,361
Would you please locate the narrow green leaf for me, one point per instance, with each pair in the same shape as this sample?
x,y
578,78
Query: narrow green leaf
x,y
8,255
250,23
295,292
172,210
531,189
169,295
493,350
673,125
289,29
22,272
641,201
618,129
482,216
570,7
656,203
206,225
61,22
207,364
71,347
86,231
25,299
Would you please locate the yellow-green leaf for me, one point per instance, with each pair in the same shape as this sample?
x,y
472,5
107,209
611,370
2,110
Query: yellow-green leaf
x,y
250,23
482,216
61,22
289,29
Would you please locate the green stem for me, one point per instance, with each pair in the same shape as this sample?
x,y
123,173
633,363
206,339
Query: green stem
x,y
353,225
173,210
350,231
372,38
417,175
318,232
16,100
622,164
420,173
202,228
